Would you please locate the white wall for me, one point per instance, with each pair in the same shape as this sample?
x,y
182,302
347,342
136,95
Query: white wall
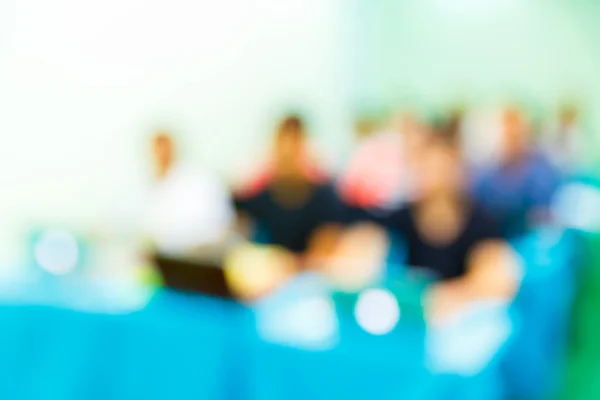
x,y
82,84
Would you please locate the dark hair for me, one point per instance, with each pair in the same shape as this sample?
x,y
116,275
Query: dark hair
x,y
292,123
453,125
446,129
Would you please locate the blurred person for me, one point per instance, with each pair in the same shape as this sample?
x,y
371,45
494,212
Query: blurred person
x,y
378,175
453,127
564,141
186,209
519,187
448,235
256,178
443,225
293,209
481,136
364,127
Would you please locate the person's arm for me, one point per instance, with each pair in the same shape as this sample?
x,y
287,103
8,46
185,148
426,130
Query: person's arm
x,y
493,266
351,256
243,225
249,210
359,257
255,271
322,245
493,274
493,271
324,239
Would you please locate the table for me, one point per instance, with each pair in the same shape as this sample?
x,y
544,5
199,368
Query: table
x,y
194,347
175,347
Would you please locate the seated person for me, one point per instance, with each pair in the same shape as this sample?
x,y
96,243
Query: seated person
x,y
442,226
255,177
518,189
379,173
450,235
293,211
186,209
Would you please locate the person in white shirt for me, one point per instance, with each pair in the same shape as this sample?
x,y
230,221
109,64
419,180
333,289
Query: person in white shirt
x,y
185,209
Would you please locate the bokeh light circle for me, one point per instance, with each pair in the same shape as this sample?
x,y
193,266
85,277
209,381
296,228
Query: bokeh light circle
x,y
377,311
57,251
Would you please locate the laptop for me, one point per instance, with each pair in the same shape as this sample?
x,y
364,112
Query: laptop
x,y
205,276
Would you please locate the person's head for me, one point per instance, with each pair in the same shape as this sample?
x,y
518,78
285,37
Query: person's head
x,y
440,167
364,127
163,152
289,146
515,133
405,122
568,115
454,124
413,132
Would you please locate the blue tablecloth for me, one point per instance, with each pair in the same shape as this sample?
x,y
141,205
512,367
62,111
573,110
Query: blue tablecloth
x,y
534,360
403,364
175,347
192,347
347,362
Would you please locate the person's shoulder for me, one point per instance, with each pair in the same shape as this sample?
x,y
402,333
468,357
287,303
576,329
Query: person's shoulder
x,y
540,163
392,218
480,175
327,193
536,154
326,184
325,188
480,212
405,210
255,186
484,222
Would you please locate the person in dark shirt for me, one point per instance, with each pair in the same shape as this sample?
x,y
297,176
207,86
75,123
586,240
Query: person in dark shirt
x,y
442,249
443,226
450,235
288,214
293,211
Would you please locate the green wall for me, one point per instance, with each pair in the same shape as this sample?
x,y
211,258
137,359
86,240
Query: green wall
x,y
436,52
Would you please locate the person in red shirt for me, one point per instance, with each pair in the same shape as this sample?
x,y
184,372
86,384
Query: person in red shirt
x,y
378,175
